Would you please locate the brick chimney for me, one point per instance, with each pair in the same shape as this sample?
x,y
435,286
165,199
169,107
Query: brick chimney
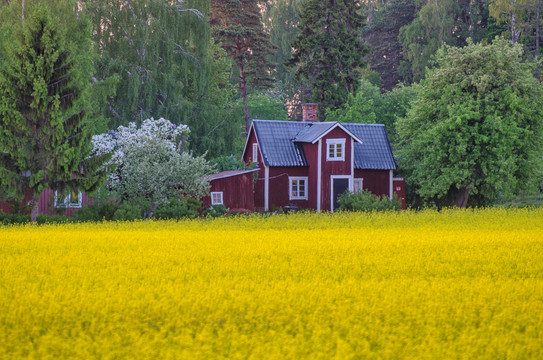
x,y
309,112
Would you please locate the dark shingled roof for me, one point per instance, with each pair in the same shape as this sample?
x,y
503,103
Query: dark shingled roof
x,y
280,143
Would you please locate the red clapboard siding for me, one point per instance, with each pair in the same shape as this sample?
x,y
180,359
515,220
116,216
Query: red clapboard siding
x,y
237,188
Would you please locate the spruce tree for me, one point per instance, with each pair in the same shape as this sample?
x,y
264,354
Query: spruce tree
x,y
328,52
45,72
236,25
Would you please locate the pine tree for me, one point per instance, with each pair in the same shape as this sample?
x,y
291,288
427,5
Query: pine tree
x,y
329,53
44,78
236,25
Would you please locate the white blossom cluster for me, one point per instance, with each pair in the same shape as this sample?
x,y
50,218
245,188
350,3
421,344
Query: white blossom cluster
x,y
118,142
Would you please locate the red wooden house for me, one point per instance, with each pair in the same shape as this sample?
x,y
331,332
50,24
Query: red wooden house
x,y
310,163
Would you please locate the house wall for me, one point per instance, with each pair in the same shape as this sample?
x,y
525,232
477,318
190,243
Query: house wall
x,y
259,185
46,204
238,191
376,181
279,187
330,168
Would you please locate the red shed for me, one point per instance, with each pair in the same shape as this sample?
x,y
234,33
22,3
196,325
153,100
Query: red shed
x,y
233,189
52,203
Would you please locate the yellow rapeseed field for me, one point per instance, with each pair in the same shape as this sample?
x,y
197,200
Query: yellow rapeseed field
x,y
410,285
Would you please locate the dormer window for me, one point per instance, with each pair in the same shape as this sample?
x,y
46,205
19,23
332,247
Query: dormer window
x,y
335,149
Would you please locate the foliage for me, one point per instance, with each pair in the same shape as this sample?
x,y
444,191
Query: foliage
x,y
157,59
214,211
381,36
465,284
448,22
370,106
44,81
237,27
15,218
178,208
150,164
97,211
329,62
282,18
128,212
475,127
366,201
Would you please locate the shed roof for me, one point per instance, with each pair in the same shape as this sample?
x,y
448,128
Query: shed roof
x,y
229,173
280,142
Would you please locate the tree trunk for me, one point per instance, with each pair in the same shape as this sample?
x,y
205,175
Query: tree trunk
x,y
152,209
243,88
461,200
34,205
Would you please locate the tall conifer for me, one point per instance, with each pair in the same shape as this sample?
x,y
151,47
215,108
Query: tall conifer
x,y
237,26
329,53
44,77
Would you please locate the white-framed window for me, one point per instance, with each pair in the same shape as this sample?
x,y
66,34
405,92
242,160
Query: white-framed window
x,y
216,198
357,184
255,152
297,188
74,199
335,149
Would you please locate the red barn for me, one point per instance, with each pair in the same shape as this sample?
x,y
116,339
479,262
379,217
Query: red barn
x,y
52,203
233,189
309,164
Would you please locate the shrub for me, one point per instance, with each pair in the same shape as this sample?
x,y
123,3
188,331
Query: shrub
x,y
366,201
214,211
102,210
178,208
8,219
127,212
55,219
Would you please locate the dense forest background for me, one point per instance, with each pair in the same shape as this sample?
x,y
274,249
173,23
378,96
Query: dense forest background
x,y
214,64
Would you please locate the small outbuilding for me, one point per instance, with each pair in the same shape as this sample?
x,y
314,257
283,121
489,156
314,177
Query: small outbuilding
x,y
233,189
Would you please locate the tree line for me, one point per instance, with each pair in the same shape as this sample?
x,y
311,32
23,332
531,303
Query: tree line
x,y
215,65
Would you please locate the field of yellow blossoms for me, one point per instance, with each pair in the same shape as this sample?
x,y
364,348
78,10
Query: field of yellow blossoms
x,y
419,285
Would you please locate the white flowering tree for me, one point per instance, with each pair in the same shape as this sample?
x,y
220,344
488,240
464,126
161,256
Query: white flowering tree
x,y
149,164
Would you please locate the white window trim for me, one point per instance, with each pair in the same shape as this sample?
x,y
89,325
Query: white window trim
x,y
329,144
290,180
67,201
220,194
355,180
255,152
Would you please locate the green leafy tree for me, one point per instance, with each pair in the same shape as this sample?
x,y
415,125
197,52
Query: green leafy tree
x,y
154,173
282,18
328,54
45,74
475,128
448,22
370,106
237,26
156,58
151,165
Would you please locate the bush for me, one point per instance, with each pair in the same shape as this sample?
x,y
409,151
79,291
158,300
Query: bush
x,y
178,208
103,210
366,201
8,219
127,212
214,211
55,219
